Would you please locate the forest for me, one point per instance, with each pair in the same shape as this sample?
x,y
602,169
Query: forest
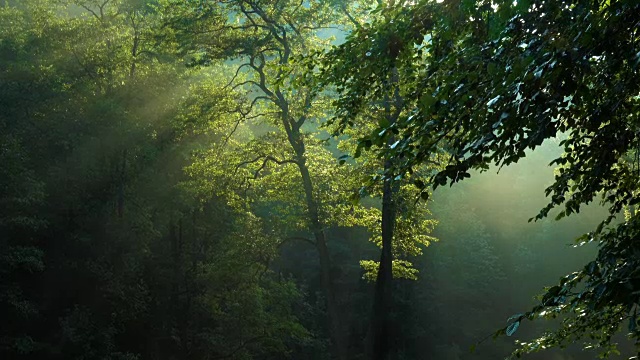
x,y
319,179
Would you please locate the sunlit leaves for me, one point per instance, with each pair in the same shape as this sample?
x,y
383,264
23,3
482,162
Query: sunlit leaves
x,y
401,269
497,84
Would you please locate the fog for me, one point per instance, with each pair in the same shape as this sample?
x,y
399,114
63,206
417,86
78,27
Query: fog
x,y
154,210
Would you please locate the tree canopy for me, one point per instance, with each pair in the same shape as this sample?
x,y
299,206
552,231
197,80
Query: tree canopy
x,y
489,81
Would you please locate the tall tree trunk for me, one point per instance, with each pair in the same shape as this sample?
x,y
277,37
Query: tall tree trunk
x,y
378,345
296,140
378,338
338,349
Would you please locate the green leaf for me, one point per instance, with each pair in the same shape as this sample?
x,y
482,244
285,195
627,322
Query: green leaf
x,y
427,101
511,329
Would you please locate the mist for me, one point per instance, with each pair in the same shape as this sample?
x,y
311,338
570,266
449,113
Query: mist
x,y
178,181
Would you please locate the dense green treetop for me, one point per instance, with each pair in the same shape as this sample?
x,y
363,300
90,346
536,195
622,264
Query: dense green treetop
x,y
489,80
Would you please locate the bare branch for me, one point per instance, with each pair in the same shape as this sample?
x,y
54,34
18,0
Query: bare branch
x,y
305,111
260,70
237,124
265,160
236,75
101,7
91,11
245,83
350,17
256,99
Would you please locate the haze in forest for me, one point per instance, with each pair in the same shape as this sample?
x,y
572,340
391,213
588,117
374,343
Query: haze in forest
x,y
254,179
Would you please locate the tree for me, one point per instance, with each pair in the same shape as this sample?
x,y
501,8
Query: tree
x,y
108,250
386,105
488,80
277,33
282,107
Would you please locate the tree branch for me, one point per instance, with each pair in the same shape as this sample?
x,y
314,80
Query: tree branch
x,y
265,160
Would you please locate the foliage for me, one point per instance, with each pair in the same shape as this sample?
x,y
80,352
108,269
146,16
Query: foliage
x,y
170,188
107,251
489,80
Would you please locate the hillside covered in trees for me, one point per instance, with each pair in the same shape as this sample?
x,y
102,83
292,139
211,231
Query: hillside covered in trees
x,y
319,179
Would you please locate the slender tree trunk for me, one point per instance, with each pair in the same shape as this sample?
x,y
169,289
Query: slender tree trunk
x,y
378,343
122,180
296,140
338,349
378,338
134,54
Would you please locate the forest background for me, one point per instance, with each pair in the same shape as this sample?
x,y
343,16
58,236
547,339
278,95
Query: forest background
x,y
216,180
